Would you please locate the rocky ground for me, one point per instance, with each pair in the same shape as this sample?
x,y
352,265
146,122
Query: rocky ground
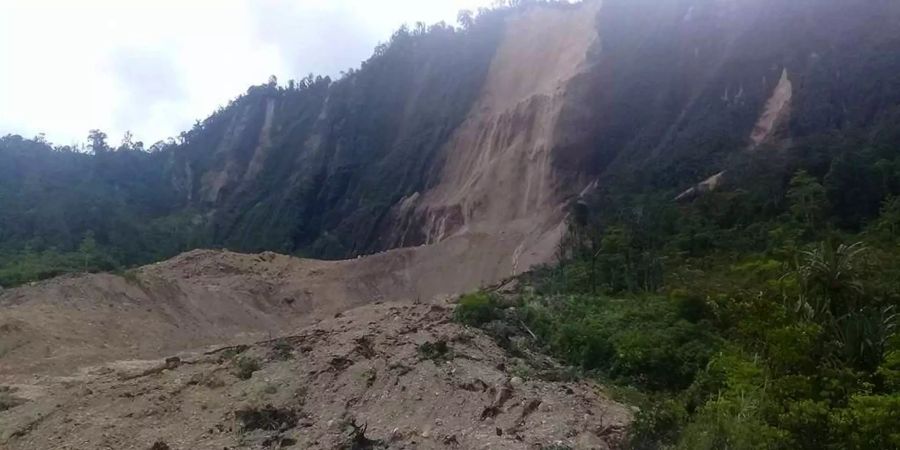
x,y
379,376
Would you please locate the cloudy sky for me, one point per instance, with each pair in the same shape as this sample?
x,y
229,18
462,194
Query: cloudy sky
x,y
154,66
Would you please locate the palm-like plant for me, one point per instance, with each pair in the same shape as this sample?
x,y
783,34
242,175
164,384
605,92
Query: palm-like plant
x,y
833,295
829,279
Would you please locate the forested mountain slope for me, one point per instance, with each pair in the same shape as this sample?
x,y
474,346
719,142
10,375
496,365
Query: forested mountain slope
x,y
699,199
445,128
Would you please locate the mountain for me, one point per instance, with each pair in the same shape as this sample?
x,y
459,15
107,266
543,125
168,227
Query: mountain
x,y
444,131
448,131
694,200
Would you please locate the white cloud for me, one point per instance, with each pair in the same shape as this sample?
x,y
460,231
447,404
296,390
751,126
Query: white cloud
x,y
155,66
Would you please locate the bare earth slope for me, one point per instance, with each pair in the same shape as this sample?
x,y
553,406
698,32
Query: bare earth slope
x,y
405,373
495,211
498,177
216,297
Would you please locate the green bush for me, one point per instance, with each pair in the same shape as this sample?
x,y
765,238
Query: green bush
x,y
477,309
869,421
657,425
245,366
643,340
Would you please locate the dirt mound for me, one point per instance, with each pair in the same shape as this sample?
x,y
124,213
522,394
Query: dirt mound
x,y
208,297
388,375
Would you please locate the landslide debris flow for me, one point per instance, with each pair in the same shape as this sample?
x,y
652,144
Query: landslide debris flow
x,y
380,376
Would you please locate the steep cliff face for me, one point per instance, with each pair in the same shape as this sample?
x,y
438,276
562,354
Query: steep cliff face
x,y
481,133
490,131
316,168
460,141
497,175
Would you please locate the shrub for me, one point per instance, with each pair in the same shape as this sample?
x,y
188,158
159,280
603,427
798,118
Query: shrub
x,y
282,350
641,340
245,366
477,309
266,418
657,425
438,351
869,421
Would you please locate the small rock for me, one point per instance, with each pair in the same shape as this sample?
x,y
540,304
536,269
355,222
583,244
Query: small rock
x,y
516,381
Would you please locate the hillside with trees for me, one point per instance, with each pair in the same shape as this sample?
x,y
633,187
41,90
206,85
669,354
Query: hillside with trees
x,y
731,266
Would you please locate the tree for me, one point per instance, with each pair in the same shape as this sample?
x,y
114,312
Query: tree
x,y
87,249
97,141
465,18
888,223
127,142
807,199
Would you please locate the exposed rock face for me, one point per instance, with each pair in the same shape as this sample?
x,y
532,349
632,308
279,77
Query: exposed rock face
x,y
708,185
777,111
498,176
491,131
484,191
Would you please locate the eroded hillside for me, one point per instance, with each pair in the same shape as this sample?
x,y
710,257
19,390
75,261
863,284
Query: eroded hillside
x,y
449,161
383,376
494,210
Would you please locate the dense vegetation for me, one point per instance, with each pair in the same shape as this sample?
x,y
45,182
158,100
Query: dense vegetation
x,y
759,316
762,315
64,210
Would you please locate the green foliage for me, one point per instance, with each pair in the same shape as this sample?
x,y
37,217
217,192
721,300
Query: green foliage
x,y
657,424
644,341
869,421
808,201
282,350
754,325
477,309
244,367
63,211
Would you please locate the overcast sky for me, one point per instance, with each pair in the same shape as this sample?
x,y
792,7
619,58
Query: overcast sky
x,y
155,66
